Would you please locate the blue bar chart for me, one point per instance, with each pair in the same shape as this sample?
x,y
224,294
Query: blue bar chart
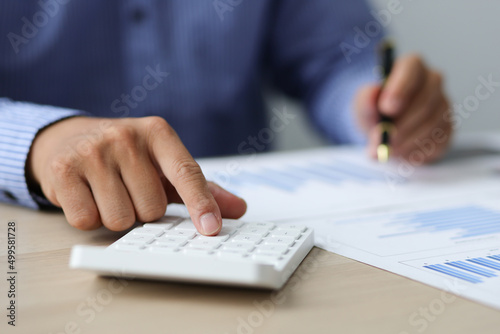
x,y
474,270
289,178
468,221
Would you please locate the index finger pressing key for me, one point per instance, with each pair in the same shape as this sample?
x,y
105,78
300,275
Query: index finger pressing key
x,y
184,173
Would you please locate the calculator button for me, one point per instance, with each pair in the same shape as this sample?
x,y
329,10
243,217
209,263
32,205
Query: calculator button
x,y
128,247
162,226
186,225
186,234
169,219
173,241
229,230
259,231
143,238
274,249
148,231
265,225
220,237
130,242
162,249
246,246
204,243
232,223
294,233
302,229
287,241
232,254
246,238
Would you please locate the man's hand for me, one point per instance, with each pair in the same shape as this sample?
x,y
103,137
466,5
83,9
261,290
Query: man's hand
x,y
413,97
114,172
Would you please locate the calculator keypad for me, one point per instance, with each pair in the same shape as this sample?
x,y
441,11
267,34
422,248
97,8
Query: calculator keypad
x,y
262,242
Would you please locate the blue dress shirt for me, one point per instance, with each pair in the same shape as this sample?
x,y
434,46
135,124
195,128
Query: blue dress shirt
x,y
200,64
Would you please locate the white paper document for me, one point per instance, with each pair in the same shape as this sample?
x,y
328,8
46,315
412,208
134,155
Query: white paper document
x,y
437,224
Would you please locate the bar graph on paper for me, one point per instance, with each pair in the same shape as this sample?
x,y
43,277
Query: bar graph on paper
x,y
327,182
290,178
477,271
439,225
474,270
442,245
468,221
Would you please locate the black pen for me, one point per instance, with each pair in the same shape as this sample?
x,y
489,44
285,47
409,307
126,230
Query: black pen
x,y
385,123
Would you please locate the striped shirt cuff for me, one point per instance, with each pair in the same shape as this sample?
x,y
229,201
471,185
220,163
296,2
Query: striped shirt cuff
x,y
333,107
19,124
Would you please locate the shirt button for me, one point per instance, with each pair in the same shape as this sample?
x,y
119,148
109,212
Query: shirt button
x,y
138,15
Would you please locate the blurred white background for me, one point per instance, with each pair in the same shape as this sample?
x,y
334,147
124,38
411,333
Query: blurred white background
x,y
461,38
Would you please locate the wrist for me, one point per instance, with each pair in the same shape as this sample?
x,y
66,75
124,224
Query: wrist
x,y
44,140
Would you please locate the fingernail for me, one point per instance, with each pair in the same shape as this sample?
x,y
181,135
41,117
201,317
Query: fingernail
x,y
209,223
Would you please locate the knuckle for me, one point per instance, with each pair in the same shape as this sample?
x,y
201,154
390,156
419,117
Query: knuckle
x,y
91,150
119,222
85,221
415,60
62,166
121,133
151,213
155,121
117,140
50,194
187,169
437,78
156,125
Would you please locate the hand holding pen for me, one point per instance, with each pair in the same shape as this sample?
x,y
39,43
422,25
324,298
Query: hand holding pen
x,y
407,115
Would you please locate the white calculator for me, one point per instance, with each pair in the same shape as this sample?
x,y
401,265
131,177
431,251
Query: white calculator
x,y
250,254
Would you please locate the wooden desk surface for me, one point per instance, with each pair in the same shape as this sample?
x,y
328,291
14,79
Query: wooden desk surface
x,y
328,294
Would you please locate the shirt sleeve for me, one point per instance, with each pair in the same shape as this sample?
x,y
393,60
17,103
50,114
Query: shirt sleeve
x,y
322,52
19,124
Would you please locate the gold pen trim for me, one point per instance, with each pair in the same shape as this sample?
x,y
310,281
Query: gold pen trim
x,y
383,153
386,127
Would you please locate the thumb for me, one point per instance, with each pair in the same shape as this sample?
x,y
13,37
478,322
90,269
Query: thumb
x,y
365,107
231,206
